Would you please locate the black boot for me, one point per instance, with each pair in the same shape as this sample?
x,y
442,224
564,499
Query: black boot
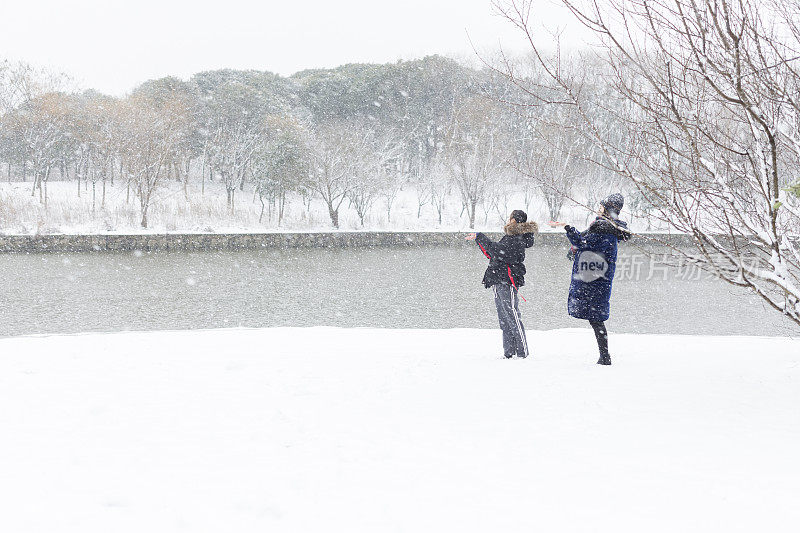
x,y
601,335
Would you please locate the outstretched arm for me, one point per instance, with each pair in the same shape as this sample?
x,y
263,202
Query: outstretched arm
x,y
575,237
487,245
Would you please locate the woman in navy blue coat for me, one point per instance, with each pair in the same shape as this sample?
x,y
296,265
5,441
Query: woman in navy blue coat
x,y
594,263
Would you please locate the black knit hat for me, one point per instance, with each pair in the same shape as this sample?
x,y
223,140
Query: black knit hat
x,y
519,216
613,203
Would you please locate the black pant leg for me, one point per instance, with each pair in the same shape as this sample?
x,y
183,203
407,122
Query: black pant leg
x,y
601,334
505,317
520,339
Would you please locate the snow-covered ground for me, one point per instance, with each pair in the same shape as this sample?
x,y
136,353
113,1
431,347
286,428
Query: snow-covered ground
x,y
172,211
397,430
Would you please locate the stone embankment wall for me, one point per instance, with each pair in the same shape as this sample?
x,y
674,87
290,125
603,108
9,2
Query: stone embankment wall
x,y
184,242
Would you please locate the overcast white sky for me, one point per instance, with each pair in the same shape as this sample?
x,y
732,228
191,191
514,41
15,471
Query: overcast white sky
x,y
113,45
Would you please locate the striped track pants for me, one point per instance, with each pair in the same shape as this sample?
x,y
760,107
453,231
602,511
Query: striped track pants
x,y
507,302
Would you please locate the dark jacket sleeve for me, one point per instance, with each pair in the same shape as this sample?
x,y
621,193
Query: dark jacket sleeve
x,y
505,250
528,239
487,245
575,237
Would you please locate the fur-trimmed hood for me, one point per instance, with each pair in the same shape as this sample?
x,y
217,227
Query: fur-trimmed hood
x,y
520,228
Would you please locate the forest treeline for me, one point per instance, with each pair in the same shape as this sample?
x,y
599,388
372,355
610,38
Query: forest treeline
x,y
356,134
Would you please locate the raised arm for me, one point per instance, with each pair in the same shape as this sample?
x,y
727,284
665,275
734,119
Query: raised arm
x,y
575,237
487,245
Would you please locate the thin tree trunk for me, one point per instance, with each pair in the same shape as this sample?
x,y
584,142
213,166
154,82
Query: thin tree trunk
x,y
473,207
281,207
231,197
186,179
186,186
46,179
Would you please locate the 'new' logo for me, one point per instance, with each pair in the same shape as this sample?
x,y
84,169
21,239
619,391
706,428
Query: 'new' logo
x,y
591,266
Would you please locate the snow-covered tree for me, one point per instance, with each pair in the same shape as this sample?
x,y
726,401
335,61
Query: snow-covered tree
x,y
474,150
151,138
331,174
710,120
375,160
280,163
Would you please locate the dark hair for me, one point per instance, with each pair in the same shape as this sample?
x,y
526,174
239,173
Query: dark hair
x,y
519,215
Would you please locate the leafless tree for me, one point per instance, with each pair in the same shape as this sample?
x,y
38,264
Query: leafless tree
x,y
557,160
390,179
332,158
151,139
419,180
373,166
440,185
231,152
40,126
474,150
707,104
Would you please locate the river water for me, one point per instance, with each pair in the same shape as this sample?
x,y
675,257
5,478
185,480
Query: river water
x,y
385,287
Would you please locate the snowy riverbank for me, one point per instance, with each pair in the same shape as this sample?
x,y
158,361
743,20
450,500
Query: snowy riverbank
x,y
329,429
196,210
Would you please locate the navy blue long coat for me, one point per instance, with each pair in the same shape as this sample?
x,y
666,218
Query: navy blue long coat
x,y
593,268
